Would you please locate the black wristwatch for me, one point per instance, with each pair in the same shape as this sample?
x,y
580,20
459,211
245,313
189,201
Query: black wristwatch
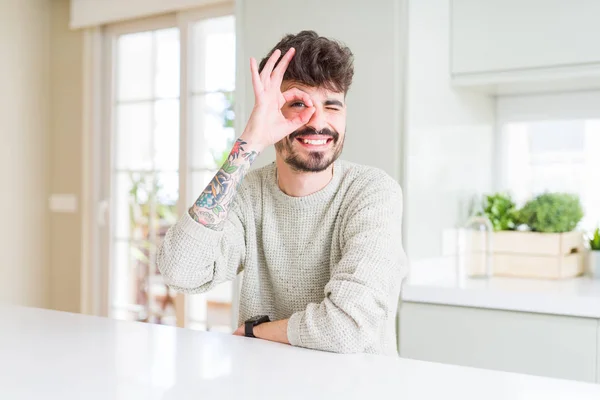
x,y
254,321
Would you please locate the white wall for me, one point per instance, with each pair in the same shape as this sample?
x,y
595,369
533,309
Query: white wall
x,y
449,134
24,117
373,31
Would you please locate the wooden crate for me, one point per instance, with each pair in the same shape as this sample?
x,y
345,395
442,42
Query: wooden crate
x,y
532,254
538,255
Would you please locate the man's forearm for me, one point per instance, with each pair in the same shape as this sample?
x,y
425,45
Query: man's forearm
x,y
212,206
275,331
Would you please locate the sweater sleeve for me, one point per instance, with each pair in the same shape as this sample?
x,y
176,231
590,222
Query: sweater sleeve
x,y
194,258
364,286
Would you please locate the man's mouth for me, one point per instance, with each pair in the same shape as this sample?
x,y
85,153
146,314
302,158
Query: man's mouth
x,y
314,141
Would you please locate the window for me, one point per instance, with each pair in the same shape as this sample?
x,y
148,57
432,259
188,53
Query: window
x,y
551,143
144,174
173,82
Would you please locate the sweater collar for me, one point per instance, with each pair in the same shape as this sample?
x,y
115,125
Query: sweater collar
x,y
320,197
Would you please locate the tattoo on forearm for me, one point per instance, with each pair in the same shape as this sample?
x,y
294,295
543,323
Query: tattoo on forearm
x,y
212,206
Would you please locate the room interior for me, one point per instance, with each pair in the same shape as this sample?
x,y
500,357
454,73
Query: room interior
x,y
117,113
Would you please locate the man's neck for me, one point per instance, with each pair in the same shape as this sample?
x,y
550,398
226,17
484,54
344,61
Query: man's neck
x,y
300,184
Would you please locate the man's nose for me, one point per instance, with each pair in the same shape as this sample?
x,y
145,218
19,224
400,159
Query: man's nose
x,y
317,120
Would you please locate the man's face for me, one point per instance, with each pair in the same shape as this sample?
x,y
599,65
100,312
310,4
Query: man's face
x,y
316,145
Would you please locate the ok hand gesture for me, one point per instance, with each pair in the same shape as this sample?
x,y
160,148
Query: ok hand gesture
x,y
267,125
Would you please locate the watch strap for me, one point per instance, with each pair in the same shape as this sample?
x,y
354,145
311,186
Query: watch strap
x,y
249,329
252,322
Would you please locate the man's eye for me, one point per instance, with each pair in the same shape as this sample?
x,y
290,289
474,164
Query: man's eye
x,y
298,104
333,109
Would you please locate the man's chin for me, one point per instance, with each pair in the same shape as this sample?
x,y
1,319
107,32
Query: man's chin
x,y
303,159
309,164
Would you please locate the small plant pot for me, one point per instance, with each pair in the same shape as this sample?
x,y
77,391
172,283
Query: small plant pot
x,y
594,264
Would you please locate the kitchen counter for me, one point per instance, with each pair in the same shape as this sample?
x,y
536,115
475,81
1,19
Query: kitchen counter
x,y
54,355
434,281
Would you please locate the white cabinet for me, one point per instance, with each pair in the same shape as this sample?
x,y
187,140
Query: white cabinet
x,y
538,344
507,41
598,358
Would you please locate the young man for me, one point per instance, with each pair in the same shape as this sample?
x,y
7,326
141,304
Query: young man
x,y
318,239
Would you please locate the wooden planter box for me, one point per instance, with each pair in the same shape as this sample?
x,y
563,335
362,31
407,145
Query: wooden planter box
x,y
538,255
532,254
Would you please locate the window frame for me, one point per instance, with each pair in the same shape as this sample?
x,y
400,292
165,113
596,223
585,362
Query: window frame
x,y
111,35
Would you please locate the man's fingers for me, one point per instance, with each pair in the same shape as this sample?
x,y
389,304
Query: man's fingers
x,y
239,331
265,75
282,66
301,119
256,83
297,94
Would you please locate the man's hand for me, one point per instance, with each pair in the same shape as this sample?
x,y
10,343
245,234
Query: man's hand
x,y
275,331
240,331
267,125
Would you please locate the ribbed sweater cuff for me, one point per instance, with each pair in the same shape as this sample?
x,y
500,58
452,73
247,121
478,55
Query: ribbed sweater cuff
x,y
197,230
293,329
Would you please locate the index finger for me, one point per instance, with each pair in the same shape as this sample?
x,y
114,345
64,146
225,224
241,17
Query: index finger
x,y
256,82
297,94
279,71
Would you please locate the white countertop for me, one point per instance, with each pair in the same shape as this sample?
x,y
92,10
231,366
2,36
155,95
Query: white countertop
x,y
54,355
434,281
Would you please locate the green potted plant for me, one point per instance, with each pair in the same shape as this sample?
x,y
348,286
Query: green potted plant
x,y
594,255
501,210
552,213
549,247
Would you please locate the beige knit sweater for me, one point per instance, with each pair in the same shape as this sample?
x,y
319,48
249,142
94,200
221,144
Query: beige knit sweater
x,y
332,262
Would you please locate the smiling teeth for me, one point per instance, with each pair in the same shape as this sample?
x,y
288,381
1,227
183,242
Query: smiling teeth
x,y
316,142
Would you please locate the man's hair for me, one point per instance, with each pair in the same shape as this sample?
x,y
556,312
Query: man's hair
x,y
318,62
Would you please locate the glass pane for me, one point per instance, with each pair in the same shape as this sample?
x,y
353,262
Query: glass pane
x,y
591,191
167,63
122,277
129,278
166,135
548,137
162,302
196,308
199,181
167,195
213,44
132,192
122,210
212,309
134,124
134,66
212,129
556,156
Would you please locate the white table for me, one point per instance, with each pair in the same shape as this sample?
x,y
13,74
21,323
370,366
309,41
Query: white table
x,y
53,355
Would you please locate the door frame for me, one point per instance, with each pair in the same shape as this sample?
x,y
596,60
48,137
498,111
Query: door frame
x,y
97,147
